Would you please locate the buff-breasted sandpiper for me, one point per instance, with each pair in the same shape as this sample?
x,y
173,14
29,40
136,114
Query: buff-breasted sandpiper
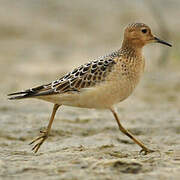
x,y
98,84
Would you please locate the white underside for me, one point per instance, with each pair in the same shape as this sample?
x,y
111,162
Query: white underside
x,y
99,97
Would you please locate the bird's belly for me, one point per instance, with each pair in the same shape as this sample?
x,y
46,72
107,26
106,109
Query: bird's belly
x,y
99,97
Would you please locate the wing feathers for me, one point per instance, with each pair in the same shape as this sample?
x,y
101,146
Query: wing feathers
x,y
87,75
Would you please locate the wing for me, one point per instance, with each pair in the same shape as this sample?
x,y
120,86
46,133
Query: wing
x,y
87,75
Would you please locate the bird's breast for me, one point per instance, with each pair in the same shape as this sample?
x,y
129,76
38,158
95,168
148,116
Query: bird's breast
x,y
126,76
117,86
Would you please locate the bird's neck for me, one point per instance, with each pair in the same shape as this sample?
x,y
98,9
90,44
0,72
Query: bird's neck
x,y
130,50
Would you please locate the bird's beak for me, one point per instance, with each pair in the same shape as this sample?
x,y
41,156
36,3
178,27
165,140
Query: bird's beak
x,y
161,41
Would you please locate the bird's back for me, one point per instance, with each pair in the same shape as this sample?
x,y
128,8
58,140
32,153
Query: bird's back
x,y
114,83
96,84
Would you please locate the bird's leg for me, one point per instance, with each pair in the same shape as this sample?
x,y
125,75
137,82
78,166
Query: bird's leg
x,y
126,132
45,133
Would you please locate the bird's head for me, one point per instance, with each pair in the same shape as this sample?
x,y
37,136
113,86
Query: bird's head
x,y
139,34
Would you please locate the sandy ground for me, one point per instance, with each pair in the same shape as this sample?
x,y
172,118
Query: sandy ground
x,y
38,44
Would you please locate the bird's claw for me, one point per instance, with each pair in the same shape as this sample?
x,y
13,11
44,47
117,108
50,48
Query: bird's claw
x,y
146,151
41,139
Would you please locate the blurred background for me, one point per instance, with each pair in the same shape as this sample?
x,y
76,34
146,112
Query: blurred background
x,y
40,40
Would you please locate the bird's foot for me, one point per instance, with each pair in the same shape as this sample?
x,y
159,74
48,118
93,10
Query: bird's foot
x,y
145,151
41,139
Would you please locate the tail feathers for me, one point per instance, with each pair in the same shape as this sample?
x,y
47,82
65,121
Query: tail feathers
x,y
18,95
32,92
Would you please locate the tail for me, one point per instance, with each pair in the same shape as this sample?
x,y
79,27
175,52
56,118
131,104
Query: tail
x,y
19,95
32,92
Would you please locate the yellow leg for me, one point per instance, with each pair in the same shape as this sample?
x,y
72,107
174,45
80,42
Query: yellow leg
x,y
45,133
126,132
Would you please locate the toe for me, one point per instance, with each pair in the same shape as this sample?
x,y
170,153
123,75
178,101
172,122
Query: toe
x,y
146,151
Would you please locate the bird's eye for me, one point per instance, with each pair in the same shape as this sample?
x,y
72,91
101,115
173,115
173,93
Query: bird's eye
x,y
144,31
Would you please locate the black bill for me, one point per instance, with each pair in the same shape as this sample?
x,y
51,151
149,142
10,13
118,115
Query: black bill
x,y
161,41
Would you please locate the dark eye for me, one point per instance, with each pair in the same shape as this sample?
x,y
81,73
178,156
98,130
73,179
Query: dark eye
x,y
144,31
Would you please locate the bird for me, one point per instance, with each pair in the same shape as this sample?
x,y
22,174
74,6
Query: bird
x,y
98,84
